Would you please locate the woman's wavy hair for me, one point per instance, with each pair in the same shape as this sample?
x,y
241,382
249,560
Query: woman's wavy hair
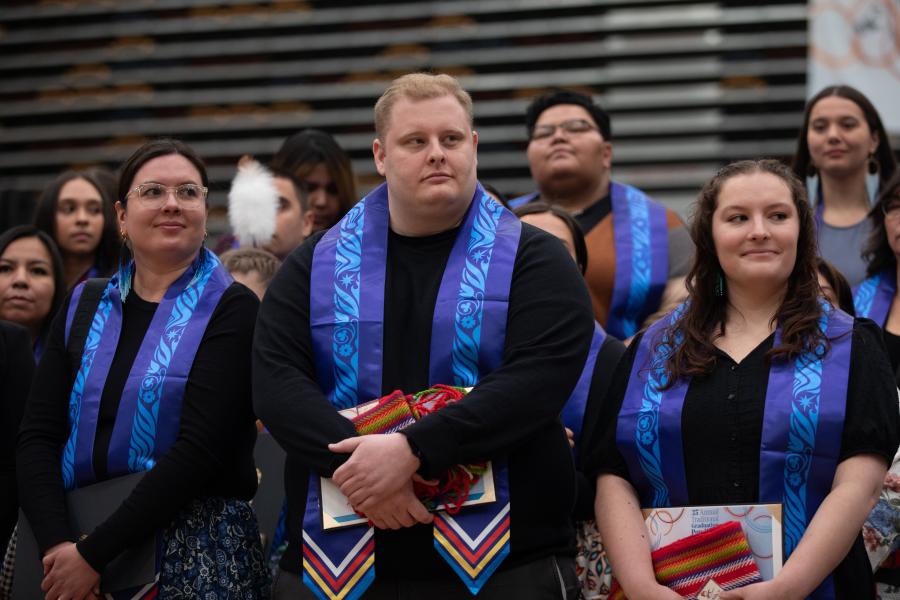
x,y
107,251
704,317
303,151
877,252
802,164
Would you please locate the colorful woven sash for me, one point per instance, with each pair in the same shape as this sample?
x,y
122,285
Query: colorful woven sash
x,y
801,433
467,339
873,297
686,566
149,413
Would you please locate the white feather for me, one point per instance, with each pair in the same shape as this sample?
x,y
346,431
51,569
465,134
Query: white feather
x,y
252,203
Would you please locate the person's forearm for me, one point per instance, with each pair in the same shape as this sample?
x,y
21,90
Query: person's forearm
x,y
624,534
834,527
298,415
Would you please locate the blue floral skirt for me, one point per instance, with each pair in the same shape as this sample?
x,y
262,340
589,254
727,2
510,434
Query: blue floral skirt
x,y
211,551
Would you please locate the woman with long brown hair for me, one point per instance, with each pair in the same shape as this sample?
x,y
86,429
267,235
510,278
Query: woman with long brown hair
x,y
844,153
315,159
76,211
754,391
876,297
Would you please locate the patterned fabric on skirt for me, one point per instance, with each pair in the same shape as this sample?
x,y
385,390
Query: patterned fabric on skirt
x,y
881,532
591,562
212,552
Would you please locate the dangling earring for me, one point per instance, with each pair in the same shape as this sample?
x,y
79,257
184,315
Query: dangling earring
x,y
719,289
873,178
812,184
873,164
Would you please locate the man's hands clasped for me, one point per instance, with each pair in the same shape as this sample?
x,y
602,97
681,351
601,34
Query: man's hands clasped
x,y
378,479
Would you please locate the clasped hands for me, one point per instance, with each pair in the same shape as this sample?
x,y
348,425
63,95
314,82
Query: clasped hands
x,y
67,576
378,479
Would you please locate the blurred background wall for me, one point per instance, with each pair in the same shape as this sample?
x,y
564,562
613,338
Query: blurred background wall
x,y
690,85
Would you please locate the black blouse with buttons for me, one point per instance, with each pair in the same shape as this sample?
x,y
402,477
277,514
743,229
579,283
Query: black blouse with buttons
x,y
722,428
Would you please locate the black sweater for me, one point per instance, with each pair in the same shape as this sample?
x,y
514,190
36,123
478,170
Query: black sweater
x,y
212,455
16,371
513,412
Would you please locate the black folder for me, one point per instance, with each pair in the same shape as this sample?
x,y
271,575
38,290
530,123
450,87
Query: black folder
x,y
88,507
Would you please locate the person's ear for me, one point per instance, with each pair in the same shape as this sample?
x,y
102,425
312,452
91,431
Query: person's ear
x,y
378,153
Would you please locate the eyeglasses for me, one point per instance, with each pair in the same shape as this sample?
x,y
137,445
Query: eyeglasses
x,y
542,132
154,195
891,208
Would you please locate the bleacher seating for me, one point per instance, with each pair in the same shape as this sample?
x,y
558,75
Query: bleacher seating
x,y
690,85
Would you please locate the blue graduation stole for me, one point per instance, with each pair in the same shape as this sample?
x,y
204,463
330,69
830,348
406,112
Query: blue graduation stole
x,y
573,412
641,237
806,399
642,259
873,297
467,340
149,414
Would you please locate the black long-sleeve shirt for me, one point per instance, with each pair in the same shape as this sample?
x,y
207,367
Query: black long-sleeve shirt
x,y
212,455
601,380
512,412
16,371
722,428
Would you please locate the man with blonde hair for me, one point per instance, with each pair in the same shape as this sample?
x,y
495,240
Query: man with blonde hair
x,y
426,281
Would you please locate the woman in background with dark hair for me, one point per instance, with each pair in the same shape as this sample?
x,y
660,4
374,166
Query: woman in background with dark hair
x,y
162,388
324,171
835,287
845,155
704,402
76,210
31,283
876,298
591,562
559,224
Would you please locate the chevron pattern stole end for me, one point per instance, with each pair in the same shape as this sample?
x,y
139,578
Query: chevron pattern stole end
x,y
345,581
474,559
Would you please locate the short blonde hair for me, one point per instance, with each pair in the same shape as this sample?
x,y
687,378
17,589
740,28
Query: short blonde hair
x,y
246,260
419,86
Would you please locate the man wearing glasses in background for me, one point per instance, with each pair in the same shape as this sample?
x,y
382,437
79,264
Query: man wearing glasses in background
x,y
638,250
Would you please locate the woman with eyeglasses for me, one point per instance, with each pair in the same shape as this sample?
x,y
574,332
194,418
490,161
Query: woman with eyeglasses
x,y
149,372
76,210
844,153
323,168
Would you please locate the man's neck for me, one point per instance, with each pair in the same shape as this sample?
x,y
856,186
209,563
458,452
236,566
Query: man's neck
x,y
574,197
421,225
